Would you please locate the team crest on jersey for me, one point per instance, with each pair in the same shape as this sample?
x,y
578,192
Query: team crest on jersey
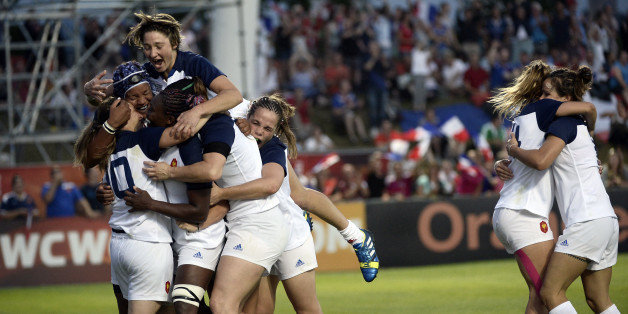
x,y
167,286
173,163
543,226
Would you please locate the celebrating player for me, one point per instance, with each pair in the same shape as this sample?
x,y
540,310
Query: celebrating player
x,y
520,219
588,245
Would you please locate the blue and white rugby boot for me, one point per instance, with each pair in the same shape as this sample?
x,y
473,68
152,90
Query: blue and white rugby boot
x,y
369,263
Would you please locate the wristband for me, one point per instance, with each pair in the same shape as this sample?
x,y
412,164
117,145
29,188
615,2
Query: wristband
x,y
108,128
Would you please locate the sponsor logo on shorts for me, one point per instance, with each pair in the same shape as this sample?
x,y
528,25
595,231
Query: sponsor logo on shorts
x,y
300,263
167,286
238,247
197,255
564,243
543,226
173,163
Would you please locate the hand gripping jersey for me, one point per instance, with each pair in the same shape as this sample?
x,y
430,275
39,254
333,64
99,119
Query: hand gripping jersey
x,y
275,151
530,189
187,153
124,172
187,64
580,192
220,134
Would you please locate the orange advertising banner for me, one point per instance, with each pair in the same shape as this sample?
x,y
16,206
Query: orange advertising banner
x,y
333,253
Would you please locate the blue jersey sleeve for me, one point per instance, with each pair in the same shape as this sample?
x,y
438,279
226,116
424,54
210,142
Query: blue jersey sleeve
x,y
217,135
546,112
274,151
565,128
196,65
146,138
191,152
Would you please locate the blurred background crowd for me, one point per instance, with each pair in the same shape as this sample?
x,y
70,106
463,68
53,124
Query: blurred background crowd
x,y
402,86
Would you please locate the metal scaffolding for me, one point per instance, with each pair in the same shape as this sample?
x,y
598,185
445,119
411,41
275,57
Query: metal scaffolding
x,y
40,116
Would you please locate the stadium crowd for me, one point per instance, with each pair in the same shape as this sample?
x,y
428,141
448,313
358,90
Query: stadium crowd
x,y
367,66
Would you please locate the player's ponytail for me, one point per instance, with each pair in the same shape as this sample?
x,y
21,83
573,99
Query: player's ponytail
x,y
87,136
182,95
284,111
572,84
526,88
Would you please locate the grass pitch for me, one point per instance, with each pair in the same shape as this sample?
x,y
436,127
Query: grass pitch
x,y
478,287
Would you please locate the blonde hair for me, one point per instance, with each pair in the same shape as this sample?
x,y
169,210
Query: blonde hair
x,y
87,136
526,88
160,22
284,111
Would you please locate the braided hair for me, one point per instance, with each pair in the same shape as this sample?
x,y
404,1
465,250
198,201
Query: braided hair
x,y
182,95
275,103
160,22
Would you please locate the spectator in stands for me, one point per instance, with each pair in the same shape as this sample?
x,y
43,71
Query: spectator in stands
x,y
619,83
385,135
345,104
522,41
375,70
64,198
335,72
427,183
94,177
476,81
539,27
470,179
399,185
453,71
615,173
17,204
351,185
376,176
319,142
447,178
494,133
501,67
301,121
303,76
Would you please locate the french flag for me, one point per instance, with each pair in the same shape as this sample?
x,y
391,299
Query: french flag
x,y
327,161
465,164
422,137
482,144
453,128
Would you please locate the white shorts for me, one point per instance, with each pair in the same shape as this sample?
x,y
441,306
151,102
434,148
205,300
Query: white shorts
x,y
143,270
517,229
595,240
205,258
258,238
297,261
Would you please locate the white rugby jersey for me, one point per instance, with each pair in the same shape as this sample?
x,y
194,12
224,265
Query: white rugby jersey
x,y
187,153
243,163
580,192
124,172
275,151
530,189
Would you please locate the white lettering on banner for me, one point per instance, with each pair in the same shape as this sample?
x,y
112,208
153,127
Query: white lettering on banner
x,y
95,248
45,249
329,238
19,250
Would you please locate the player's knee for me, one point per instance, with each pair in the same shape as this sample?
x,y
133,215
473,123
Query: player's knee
x,y
598,302
547,294
189,294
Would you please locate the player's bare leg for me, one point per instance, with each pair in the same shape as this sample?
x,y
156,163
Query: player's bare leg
x,y
596,288
533,260
123,304
189,288
562,270
143,306
266,294
235,281
250,305
301,291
